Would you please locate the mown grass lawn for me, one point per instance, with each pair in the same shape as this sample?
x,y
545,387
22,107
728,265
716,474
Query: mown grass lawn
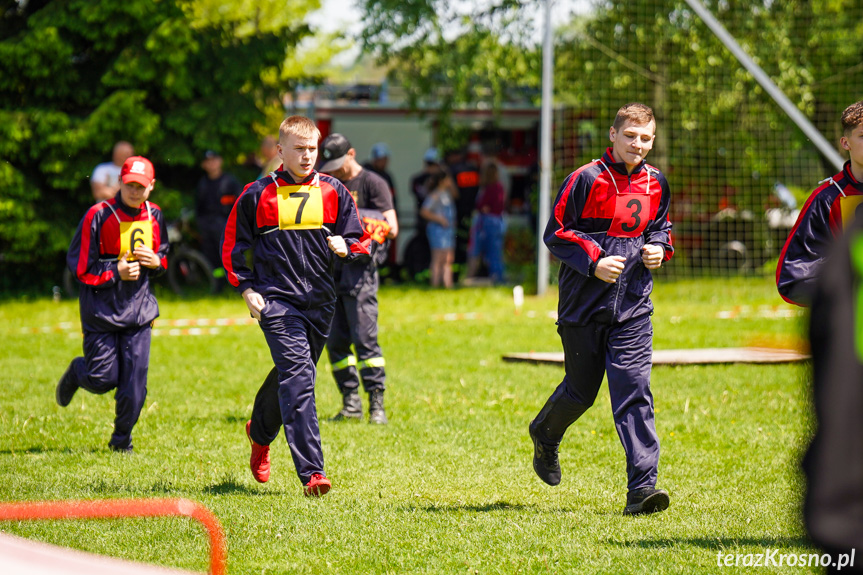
x,y
447,486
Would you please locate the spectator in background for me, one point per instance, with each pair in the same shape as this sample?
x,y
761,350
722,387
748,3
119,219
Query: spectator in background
x,y
488,228
431,165
465,174
105,181
439,209
270,160
379,159
215,196
417,254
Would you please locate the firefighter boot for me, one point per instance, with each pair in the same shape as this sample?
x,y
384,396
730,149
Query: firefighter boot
x,y
546,431
376,407
352,407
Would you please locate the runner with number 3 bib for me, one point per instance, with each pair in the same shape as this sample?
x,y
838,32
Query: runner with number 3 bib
x,y
609,228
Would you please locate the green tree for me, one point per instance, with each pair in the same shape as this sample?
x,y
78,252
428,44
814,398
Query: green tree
x,y
447,55
175,77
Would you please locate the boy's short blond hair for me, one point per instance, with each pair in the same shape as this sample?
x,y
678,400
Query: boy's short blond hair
x,y
852,117
299,126
634,112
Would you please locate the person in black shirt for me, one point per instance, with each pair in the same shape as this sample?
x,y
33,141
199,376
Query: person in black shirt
x,y
356,318
215,196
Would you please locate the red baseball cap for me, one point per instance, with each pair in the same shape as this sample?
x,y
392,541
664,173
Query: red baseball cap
x,y
138,169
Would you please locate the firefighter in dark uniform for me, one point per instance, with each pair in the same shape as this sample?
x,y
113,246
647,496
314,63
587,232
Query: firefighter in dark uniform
x,y
832,205
294,221
609,228
120,244
356,318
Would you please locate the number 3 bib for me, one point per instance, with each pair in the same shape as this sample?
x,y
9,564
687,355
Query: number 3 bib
x,y
300,207
631,213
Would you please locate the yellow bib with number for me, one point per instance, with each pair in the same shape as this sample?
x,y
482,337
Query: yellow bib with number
x,y
134,234
849,208
300,207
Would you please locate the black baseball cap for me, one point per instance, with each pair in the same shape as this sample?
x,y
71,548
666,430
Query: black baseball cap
x,y
334,148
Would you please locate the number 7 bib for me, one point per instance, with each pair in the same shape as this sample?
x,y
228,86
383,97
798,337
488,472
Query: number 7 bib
x,y
300,207
631,214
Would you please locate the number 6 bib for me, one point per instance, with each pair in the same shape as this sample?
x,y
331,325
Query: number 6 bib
x,y
134,234
300,207
631,214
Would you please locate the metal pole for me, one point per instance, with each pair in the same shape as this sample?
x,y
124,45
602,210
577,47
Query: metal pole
x,y
545,153
778,95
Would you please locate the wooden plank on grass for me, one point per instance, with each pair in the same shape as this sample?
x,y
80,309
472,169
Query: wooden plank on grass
x,y
703,356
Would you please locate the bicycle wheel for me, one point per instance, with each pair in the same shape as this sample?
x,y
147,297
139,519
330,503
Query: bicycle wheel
x,y
190,274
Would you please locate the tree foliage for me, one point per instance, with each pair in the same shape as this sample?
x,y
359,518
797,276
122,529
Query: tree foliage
x,y
174,77
447,55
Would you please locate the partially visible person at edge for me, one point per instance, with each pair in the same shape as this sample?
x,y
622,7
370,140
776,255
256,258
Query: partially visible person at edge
x,y
488,228
829,208
296,222
439,211
609,228
214,197
105,180
120,244
833,464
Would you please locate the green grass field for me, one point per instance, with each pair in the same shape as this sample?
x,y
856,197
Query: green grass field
x,y
447,486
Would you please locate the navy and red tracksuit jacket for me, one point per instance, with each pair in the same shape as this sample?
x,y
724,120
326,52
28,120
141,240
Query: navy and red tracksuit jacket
x,y
108,303
292,260
602,211
830,207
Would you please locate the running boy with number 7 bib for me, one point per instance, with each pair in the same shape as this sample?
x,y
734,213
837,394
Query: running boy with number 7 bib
x,y
295,221
120,244
609,228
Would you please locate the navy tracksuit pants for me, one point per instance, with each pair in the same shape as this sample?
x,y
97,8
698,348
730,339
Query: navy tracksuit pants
x,y
287,397
117,360
356,322
623,352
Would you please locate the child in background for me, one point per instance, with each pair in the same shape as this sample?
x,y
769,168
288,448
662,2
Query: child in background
x,y
439,210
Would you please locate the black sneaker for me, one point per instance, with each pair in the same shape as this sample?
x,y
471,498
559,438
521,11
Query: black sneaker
x,y
66,387
545,462
646,500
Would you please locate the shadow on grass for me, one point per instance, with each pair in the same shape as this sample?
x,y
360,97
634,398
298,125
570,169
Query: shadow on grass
x,y
716,543
496,506
51,449
229,486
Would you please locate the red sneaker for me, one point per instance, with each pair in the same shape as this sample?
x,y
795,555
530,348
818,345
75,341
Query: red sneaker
x,y
259,462
318,485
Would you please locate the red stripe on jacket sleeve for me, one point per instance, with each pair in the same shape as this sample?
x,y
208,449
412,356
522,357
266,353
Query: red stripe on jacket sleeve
x,y
84,255
592,250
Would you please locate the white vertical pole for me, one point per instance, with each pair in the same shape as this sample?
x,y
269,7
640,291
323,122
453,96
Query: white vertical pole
x,y
772,89
544,210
